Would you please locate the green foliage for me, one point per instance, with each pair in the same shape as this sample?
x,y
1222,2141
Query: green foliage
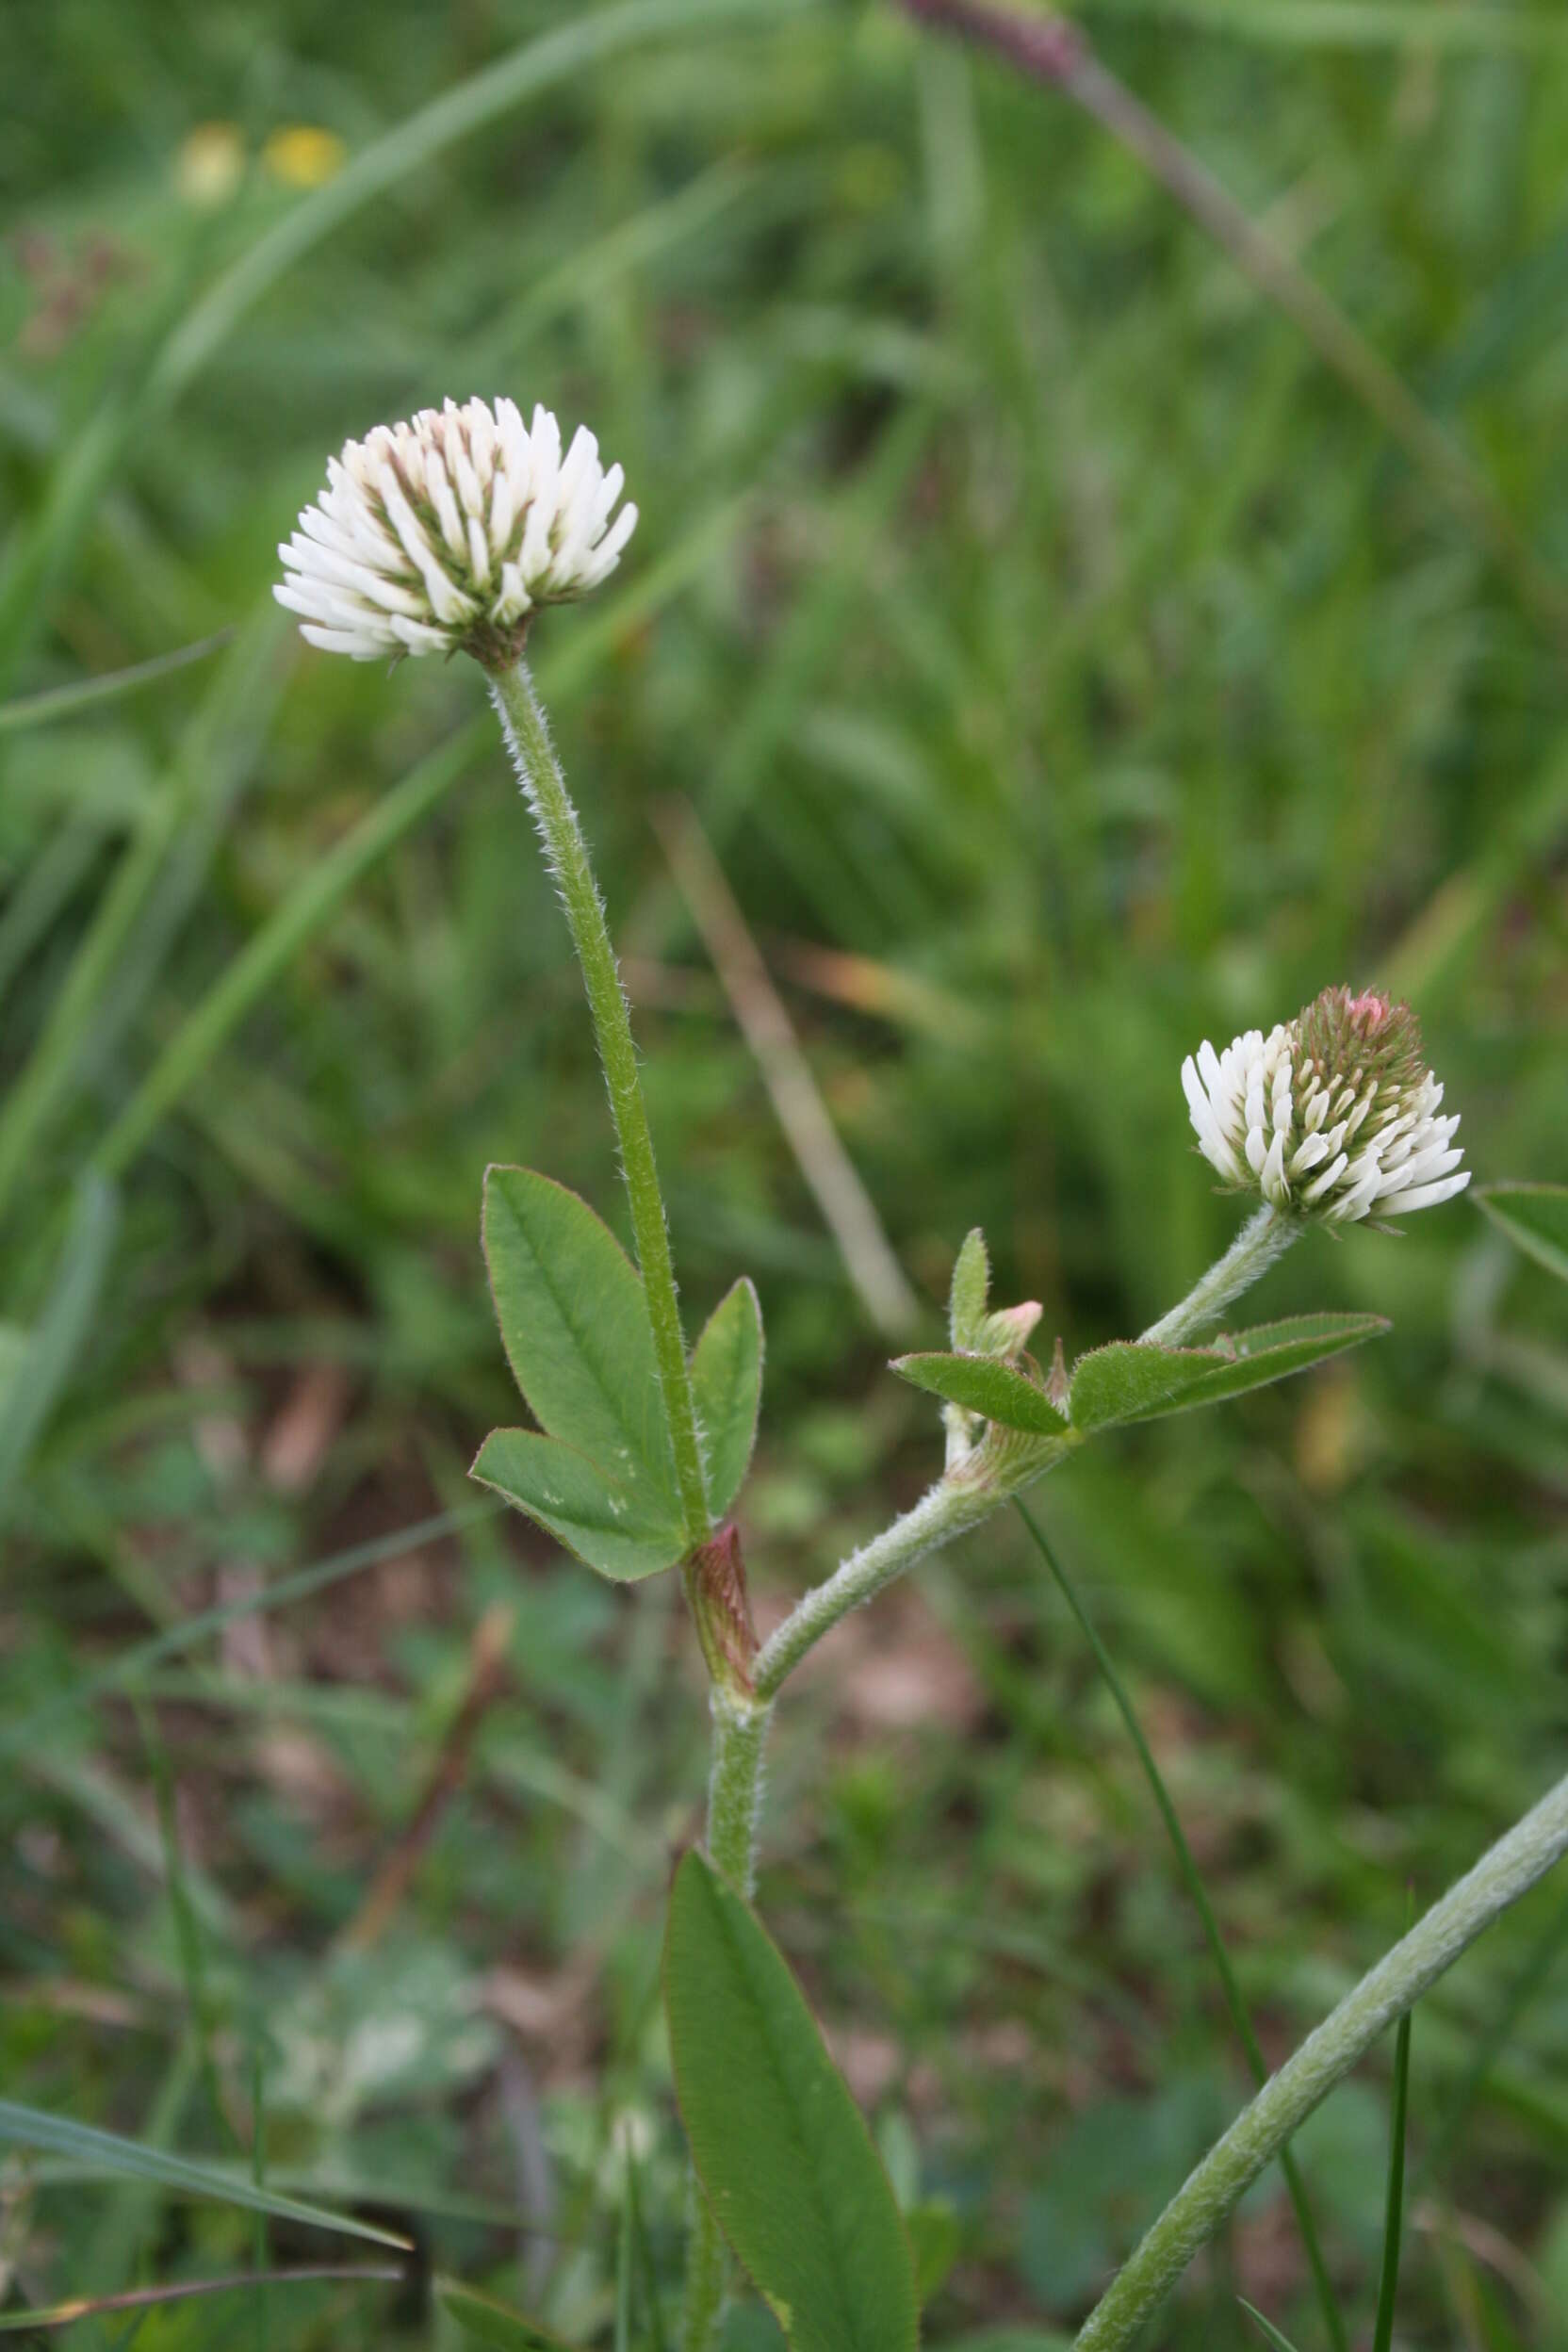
x,y
982,1384
487,2320
1534,1218
35,1369
784,2159
1064,667
1130,1381
105,2155
726,1390
576,1332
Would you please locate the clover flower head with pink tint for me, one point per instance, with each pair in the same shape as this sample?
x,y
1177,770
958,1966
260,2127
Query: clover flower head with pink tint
x,y
1333,1115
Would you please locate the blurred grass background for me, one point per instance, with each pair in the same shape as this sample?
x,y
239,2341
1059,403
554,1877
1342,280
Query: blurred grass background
x,y
1063,666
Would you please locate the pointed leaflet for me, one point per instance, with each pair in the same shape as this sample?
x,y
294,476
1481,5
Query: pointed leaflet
x,y
1131,1380
985,1385
1534,1218
726,1388
784,2159
971,1281
575,1325
622,1532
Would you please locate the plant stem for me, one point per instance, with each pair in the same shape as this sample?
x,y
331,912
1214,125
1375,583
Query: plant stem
x,y
1265,1238
973,1489
735,1787
945,1511
527,733
734,1796
1509,1870
1234,2000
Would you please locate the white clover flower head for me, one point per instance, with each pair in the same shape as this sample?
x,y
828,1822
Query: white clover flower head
x,y
446,533
1329,1116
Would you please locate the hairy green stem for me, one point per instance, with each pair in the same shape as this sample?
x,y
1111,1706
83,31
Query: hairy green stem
x,y
1234,2000
1509,1870
734,1798
1265,1238
945,1511
527,733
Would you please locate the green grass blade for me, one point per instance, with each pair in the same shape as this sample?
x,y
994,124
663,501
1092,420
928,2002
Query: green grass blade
x,y
275,946
68,702
487,2320
1272,2335
214,757
109,2156
1544,1953
62,1329
44,890
1234,2000
1534,1218
525,72
1388,2283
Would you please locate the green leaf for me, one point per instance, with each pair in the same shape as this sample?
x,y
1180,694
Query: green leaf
x,y
610,1528
784,2158
726,1390
1534,1218
972,1281
1131,1380
982,1384
105,2152
575,1325
489,2322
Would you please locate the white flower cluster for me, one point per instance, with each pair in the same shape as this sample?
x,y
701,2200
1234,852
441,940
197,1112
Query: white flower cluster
x,y
447,533
1333,1115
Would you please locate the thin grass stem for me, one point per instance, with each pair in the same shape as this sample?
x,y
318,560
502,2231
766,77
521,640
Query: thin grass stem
x,y
1235,2000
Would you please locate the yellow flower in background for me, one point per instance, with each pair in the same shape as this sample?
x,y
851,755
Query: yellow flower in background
x,y
303,155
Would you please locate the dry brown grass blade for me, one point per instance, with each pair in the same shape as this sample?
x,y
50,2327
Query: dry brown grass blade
x,y
764,1020
486,1680
239,2281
